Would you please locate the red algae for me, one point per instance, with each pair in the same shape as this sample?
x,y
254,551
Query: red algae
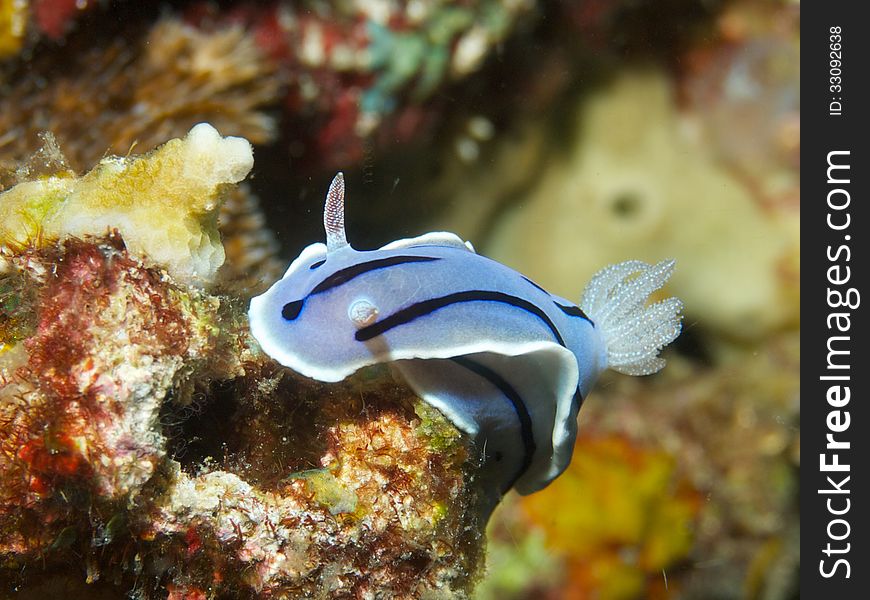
x,y
71,422
87,278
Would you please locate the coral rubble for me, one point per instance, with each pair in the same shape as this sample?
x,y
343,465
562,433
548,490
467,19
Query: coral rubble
x,y
371,510
107,338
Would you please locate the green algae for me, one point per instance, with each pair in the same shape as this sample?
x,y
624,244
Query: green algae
x,y
328,491
440,434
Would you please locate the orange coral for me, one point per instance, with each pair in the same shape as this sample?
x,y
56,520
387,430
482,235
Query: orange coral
x,y
619,515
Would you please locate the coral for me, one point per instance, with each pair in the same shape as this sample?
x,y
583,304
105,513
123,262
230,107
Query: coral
x,y
55,17
251,249
518,562
147,449
616,487
378,515
220,77
164,204
388,508
13,24
349,74
744,92
22,22
107,338
735,432
702,167
138,92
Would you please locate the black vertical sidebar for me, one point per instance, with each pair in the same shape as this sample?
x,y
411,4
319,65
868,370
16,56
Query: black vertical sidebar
x,y
835,365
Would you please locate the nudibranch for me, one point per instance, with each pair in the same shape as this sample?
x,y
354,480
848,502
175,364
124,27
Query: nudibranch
x,y
504,360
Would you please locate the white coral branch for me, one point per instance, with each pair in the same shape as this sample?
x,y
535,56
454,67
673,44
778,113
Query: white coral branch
x,y
633,332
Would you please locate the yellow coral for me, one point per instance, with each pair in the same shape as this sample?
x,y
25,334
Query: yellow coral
x,y
165,203
13,25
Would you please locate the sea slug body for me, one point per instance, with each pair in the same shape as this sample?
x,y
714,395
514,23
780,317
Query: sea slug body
x,y
507,362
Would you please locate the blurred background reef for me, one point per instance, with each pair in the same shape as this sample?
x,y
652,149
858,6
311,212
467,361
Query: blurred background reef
x,y
149,450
